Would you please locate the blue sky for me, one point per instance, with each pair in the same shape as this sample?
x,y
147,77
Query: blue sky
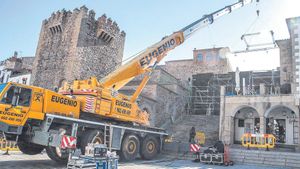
x,y
147,21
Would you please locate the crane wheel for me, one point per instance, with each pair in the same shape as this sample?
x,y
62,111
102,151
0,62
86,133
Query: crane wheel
x,y
149,148
56,153
91,136
30,148
130,147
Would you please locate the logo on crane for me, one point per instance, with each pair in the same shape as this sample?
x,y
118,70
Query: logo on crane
x,y
147,59
62,100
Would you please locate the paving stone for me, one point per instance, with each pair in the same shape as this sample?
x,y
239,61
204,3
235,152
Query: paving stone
x,y
274,163
253,161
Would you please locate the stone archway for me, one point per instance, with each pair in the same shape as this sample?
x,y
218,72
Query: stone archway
x,y
291,108
246,120
283,122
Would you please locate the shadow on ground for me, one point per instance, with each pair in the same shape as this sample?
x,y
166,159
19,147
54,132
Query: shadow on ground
x,y
31,164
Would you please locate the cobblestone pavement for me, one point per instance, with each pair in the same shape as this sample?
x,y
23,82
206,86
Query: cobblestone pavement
x,y
20,161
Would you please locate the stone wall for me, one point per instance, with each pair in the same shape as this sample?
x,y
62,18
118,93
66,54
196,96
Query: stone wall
x,y
164,97
27,63
286,61
208,124
204,61
74,45
293,25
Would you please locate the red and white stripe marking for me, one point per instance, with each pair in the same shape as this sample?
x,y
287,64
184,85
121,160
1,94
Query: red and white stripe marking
x,y
194,148
89,104
89,90
68,142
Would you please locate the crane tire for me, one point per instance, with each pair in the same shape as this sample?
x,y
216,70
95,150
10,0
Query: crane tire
x,y
130,147
59,158
56,153
91,136
30,148
149,147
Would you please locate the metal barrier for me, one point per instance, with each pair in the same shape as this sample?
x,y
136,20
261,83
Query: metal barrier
x,y
258,140
8,145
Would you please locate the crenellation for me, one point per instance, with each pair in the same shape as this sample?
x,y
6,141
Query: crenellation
x,y
75,45
51,17
84,11
115,27
84,8
69,13
102,19
57,14
76,11
92,14
45,21
109,22
123,34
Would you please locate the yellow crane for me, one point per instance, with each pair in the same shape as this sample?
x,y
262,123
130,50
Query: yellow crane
x,y
41,119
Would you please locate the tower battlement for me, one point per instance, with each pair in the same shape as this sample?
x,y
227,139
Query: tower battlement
x,y
103,23
76,45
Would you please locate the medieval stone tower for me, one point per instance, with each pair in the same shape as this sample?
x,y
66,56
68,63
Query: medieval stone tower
x,y
74,45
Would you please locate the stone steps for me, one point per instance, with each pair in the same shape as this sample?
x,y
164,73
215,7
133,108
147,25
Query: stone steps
x,y
270,158
286,159
180,129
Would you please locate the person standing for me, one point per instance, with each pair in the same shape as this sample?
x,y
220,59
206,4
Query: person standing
x,y
192,135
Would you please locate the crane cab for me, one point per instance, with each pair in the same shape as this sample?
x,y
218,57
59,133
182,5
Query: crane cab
x,y
19,102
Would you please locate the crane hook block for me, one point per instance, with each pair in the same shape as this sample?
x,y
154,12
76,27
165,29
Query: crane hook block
x,y
257,12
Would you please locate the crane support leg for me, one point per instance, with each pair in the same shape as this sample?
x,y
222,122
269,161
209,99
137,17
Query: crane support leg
x,y
140,88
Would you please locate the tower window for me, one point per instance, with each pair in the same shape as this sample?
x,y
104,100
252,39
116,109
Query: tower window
x,y
55,29
105,37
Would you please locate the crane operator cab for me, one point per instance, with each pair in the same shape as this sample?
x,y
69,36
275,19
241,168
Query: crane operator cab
x,y
21,103
15,100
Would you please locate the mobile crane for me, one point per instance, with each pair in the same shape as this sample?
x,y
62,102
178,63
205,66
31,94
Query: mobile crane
x,y
42,119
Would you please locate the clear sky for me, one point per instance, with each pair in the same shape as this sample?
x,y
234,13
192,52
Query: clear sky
x,y
147,21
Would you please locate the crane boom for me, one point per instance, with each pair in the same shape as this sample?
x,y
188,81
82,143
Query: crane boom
x,y
209,19
150,57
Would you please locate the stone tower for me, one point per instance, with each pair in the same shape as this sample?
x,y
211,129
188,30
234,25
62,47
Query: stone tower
x,y
74,45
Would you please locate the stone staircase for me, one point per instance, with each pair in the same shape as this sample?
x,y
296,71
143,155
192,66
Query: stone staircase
x,y
240,156
208,124
284,159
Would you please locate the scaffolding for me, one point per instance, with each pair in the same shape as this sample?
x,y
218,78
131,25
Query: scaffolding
x,y
205,97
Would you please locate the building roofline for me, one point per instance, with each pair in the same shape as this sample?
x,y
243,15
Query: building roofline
x,y
180,60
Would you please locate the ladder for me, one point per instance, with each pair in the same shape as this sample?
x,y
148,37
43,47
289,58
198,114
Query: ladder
x,y
108,136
